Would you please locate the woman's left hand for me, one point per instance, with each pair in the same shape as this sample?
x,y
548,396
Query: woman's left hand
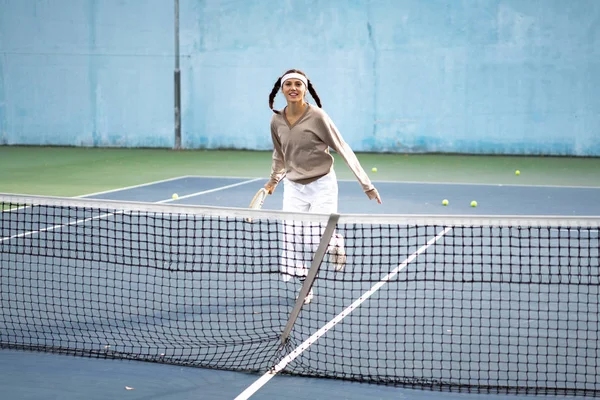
x,y
373,194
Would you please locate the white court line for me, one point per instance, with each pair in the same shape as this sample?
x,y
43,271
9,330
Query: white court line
x,y
386,181
211,190
163,181
51,228
133,186
157,182
308,342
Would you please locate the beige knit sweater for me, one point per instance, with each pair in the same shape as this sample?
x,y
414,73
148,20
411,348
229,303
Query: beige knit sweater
x,y
301,151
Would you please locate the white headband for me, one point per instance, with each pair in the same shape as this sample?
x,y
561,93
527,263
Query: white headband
x,y
295,75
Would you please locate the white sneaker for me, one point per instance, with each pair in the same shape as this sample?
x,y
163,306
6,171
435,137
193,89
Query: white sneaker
x,y
308,297
287,272
337,253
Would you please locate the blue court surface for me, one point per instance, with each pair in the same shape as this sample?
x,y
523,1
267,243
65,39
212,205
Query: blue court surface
x,y
32,375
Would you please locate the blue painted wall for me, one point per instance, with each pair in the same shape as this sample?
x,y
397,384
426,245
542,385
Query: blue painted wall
x,y
459,76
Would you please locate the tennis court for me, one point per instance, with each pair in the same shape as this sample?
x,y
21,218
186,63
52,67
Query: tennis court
x,y
477,121
502,297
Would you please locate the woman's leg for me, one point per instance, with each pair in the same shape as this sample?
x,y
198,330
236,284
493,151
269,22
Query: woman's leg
x,y
292,257
324,199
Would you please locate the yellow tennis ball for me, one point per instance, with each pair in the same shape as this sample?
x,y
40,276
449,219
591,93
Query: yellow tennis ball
x,y
517,172
445,202
374,169
473,203
175,196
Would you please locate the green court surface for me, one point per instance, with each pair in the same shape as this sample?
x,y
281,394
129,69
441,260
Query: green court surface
x,y
74,171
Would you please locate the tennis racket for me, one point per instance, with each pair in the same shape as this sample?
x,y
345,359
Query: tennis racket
x,y
258,201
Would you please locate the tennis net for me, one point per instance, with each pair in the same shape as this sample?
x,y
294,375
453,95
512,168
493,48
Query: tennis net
x,y
474,304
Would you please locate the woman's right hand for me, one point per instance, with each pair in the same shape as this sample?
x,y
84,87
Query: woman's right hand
x,y
270,187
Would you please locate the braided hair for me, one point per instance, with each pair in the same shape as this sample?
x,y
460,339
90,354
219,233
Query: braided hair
x,y
277,86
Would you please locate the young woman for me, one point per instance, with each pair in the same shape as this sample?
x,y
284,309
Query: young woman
x,y
302,135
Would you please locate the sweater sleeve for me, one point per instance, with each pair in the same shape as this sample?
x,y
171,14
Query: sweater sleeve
x,y
277,165
333,138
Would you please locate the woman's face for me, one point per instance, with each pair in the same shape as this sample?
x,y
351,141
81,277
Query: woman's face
x,y
293,90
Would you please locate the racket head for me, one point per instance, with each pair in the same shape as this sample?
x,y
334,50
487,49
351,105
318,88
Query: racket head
x,y
258,200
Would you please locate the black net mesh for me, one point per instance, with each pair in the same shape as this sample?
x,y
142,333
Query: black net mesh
x,y
475,305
